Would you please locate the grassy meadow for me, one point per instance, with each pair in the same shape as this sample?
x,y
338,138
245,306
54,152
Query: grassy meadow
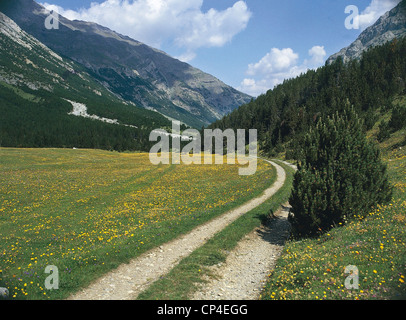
x,y
88,211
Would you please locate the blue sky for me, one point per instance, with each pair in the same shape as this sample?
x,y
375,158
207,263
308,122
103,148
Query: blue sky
x,y
251,45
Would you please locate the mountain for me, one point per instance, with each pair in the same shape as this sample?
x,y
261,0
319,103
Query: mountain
x,y
388,27
50,101
134,71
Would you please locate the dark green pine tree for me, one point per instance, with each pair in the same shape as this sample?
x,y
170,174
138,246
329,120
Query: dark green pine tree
x,y
398,119
340,175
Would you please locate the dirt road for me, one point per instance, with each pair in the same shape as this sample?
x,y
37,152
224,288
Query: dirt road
x,y
127,281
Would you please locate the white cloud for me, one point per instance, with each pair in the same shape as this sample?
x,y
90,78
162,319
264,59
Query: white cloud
x,y
255,87
277,66
176,22
213,28
274,61
186,56
317,54
374,11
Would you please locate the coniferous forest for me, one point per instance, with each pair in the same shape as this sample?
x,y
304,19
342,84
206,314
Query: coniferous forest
x,y
43,122
284,114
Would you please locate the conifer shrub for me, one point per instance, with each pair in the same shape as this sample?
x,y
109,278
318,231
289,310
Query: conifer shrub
x,y
384,131
340,175
398,119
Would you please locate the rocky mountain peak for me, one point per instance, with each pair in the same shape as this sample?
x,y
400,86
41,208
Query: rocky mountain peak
x,y
388,27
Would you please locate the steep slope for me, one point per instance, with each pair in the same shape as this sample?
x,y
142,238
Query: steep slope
x,y
285,113
133,70
39,91
388,27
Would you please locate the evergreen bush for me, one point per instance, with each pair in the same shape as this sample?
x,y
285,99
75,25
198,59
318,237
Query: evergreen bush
x,y
398,119
340,175
384,131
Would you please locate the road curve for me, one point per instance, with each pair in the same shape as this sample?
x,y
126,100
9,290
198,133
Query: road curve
x,y
129,280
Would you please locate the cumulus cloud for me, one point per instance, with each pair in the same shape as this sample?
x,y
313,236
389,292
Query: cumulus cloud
x,y
175,22
274,61
317,54
376,9
277,66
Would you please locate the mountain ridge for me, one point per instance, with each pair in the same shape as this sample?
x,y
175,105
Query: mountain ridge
x,y
134,71
39,89
389,26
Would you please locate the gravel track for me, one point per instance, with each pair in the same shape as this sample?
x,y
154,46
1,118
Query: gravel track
x,y
245,271
243,274
129,280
